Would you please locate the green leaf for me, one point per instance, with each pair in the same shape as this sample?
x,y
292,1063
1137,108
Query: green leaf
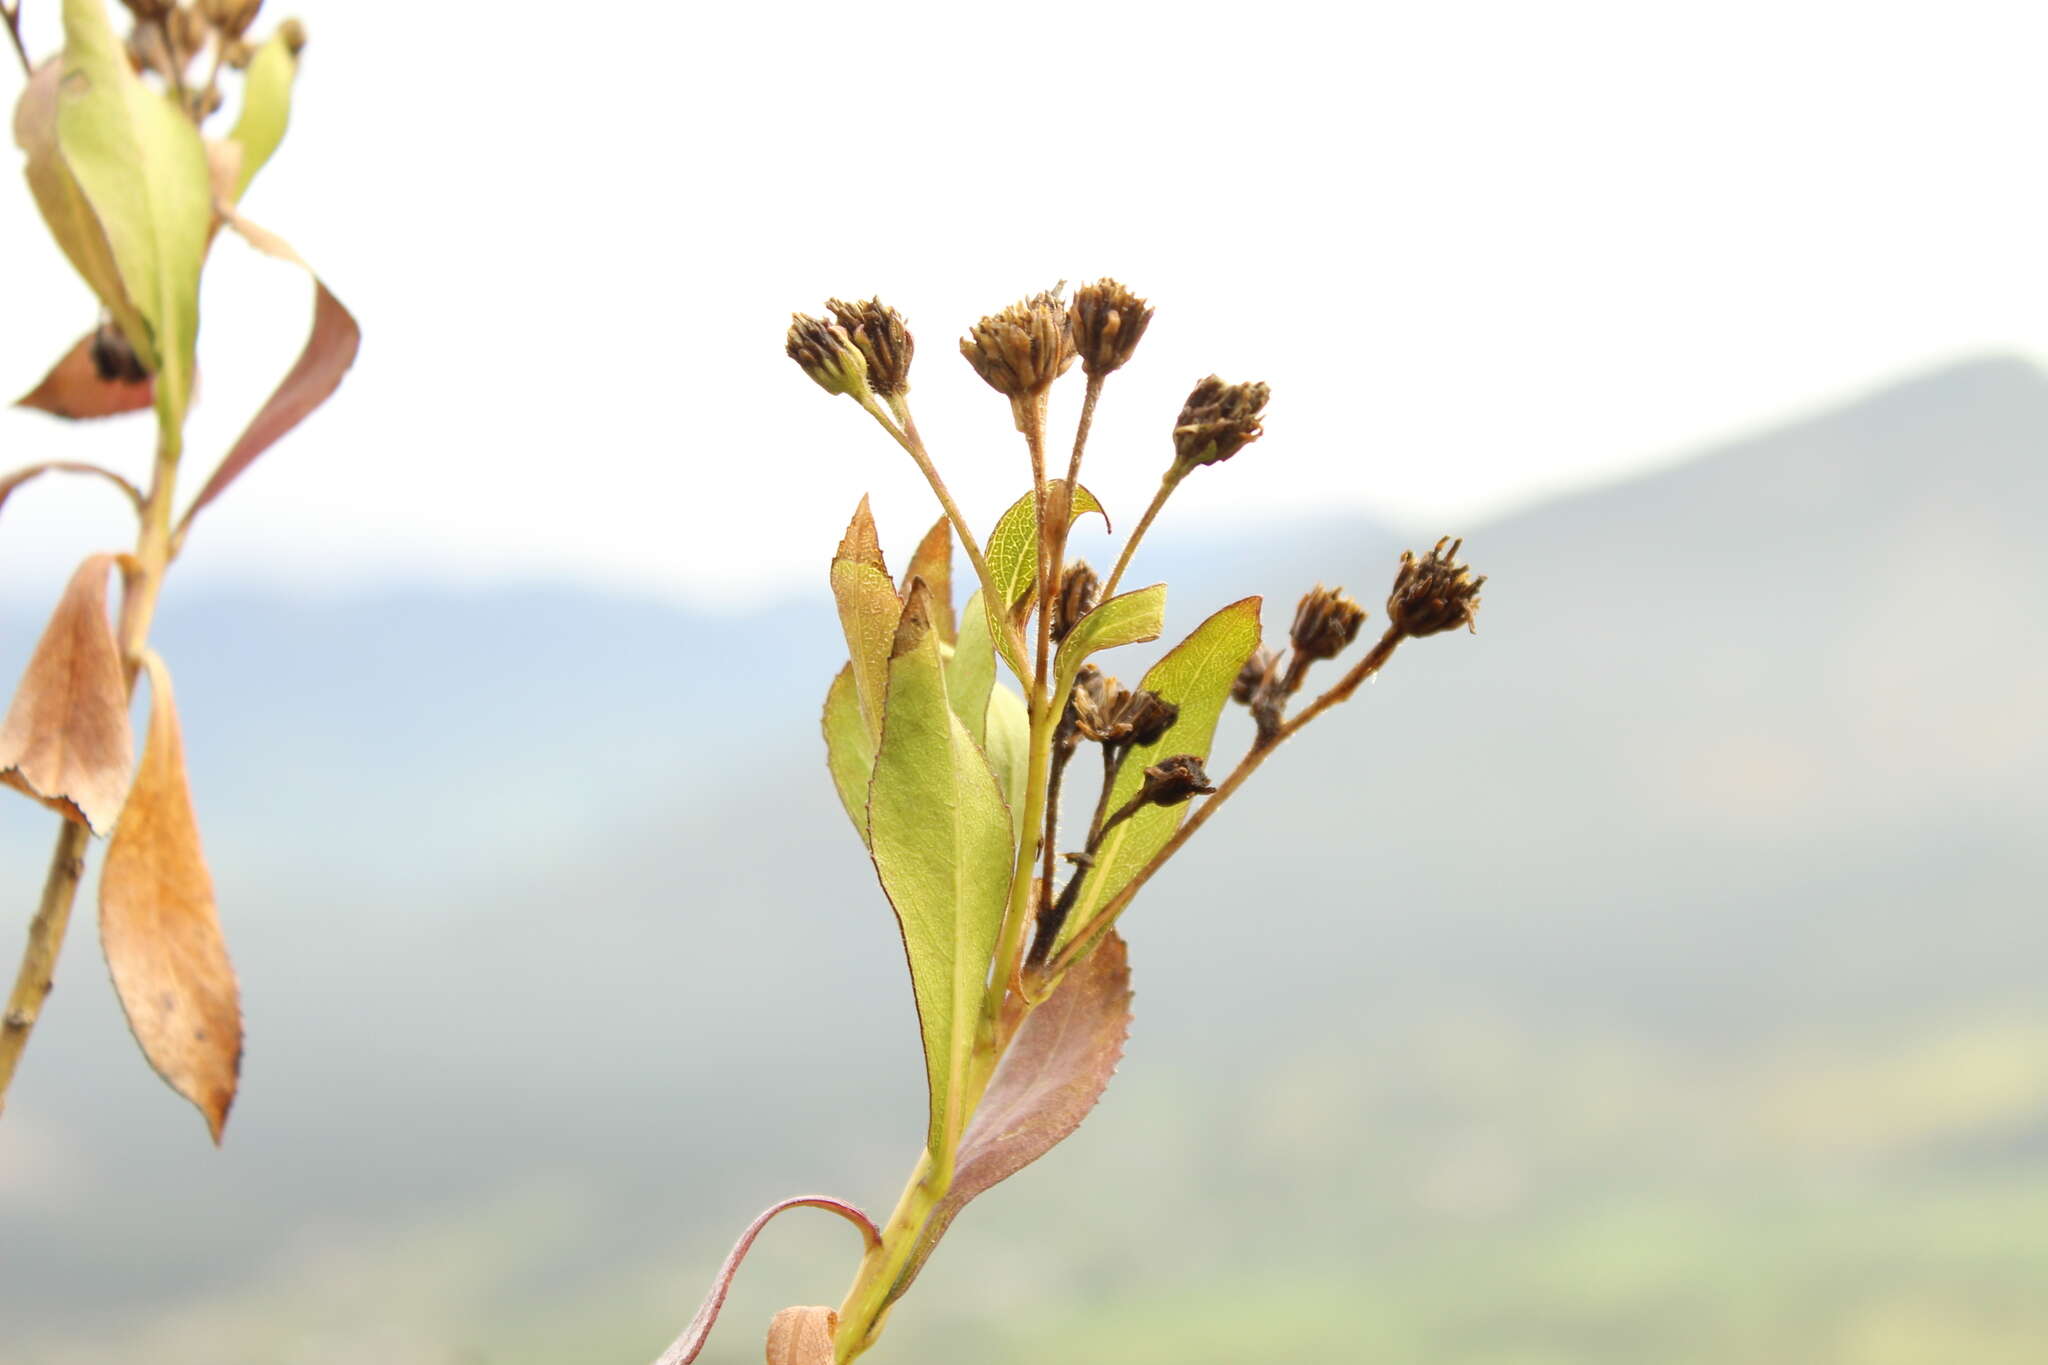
x,y
942,848
1008,746
849,749
1049,1080
971,673
266,107
62,203
1195,675
1126,619
1012,555
143,170
869,610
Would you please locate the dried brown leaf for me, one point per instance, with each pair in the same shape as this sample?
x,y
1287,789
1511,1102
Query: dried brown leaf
x,y
1048,1082
329,351
66,740
862,544
802,1336
36,471
161,931
933,562
75,389
685,1347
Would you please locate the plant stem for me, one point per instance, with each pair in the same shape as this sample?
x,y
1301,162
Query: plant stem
x,y
36,976
1167,483
1088,934
866,1306
912,443
12,14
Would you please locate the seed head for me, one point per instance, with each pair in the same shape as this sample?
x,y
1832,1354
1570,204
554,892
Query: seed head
x,y
113,359
231,17
827,354
1108,321
1434,593
293,32
1325,623
1078,590
1171,781
1253,676
1217,421
879,333
148,11
1022,349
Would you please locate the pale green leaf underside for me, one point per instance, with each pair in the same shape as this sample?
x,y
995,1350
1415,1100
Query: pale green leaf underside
x,y
849,749
1194,675
143,169
942,847
868,611
1008,746
971,673
266,107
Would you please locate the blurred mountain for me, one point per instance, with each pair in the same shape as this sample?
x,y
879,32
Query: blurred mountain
x,y
1654,975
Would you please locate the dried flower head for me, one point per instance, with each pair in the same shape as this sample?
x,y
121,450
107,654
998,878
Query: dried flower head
x,y
827,354
148,11
1325,623
1253,676
1078,589
293,32
1109,715
1171,781
231,17
878,331
1108,321
1022,349
1434,593
113,359
1217,421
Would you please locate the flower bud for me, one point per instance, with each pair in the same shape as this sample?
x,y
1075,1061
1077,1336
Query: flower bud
x,y
1217,421
1078,589
1325,623
879,333
1434,593
1108,321
1171,781
1021,350
827,354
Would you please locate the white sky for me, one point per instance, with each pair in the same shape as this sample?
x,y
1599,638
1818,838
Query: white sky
x,y
1482,252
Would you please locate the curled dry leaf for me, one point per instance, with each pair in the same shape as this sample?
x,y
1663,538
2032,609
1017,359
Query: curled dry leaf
x,y
36,471
161,931
685,1347
66,740
802,1336
1048,1082
75,388
329,351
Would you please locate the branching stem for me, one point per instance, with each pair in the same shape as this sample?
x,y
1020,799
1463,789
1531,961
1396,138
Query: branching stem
x,y
142,580
907,437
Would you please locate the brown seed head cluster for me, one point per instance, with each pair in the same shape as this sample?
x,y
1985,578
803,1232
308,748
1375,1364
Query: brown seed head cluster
x,y
148,11
879,333
1079,588
1171,781
825,352
1325,623
1108,321
1253,676
1107,714
1022,349
1217,421
231,17
1434,593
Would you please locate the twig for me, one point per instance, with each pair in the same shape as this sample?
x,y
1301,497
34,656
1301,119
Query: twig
x,y
12,14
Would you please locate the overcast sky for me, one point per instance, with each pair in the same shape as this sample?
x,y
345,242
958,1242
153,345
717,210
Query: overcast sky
x,y
1481,252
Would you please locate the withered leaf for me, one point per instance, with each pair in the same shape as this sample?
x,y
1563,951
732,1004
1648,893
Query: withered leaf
x,y
802,1336
76,389
1052,1076
161,931
36,471
686,1347
933,562
66,740
329,351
